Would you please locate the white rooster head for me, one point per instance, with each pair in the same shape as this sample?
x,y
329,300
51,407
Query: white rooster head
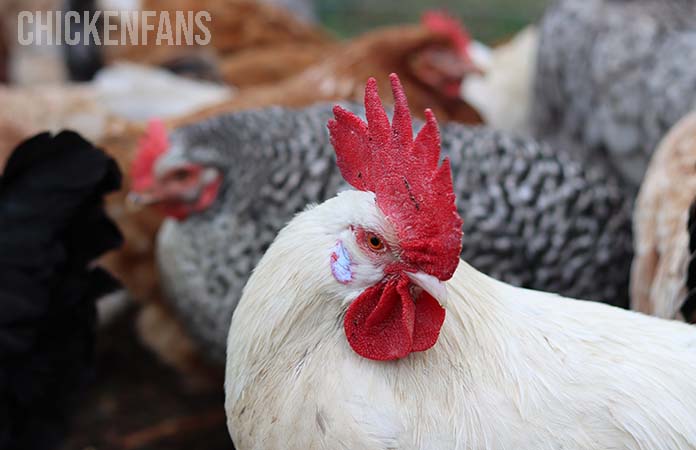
x,y
401,237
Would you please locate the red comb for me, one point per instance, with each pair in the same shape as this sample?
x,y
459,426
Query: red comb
x,y
442,23
151,146
411,190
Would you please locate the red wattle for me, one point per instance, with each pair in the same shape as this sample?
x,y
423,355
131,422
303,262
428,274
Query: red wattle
x,y
385,323
181,210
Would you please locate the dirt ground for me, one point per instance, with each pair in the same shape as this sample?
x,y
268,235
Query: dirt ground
x,y
137,403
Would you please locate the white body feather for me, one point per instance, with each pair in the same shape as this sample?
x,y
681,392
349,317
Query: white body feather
x,y
513,369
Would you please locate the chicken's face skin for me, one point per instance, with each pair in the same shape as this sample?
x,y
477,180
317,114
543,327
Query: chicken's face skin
x,y
180,188
361,256
443,69
367,251
182,191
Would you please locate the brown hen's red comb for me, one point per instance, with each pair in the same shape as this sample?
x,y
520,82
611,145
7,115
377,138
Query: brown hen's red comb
x,y
151,146
441,23
411,190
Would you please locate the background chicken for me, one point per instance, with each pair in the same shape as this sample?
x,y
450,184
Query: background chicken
x,y
534,216
114,103
244,35
52,228
616,75
235,25
432,58
362,317
285,59
661,242
252,42
503,90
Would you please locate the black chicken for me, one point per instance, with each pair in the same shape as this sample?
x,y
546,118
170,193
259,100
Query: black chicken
x,y
689,307
52,226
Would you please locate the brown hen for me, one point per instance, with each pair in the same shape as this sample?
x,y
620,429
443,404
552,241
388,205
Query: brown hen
x,y
251,42
429,62
658,278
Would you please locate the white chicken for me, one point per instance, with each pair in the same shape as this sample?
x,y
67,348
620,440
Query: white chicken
x,y
502,91
345,339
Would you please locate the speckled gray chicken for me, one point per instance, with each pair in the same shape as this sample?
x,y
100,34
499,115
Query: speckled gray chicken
x,y
615,75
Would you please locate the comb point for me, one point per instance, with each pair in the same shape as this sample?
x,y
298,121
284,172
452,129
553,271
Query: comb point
x,y
402,127
151,146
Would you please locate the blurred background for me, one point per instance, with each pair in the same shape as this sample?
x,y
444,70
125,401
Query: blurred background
x,y
489,21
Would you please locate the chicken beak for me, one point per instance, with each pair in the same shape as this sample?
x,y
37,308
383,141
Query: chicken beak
x,y
470,68
436,288
138,200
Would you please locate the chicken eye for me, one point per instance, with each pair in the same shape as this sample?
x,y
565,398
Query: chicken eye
x,y
180,175
374,242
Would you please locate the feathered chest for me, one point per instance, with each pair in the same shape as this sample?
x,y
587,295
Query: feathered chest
x,y
539,393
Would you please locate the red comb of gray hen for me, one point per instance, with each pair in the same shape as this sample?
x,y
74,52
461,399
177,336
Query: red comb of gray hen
x,y
411,188
152,145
